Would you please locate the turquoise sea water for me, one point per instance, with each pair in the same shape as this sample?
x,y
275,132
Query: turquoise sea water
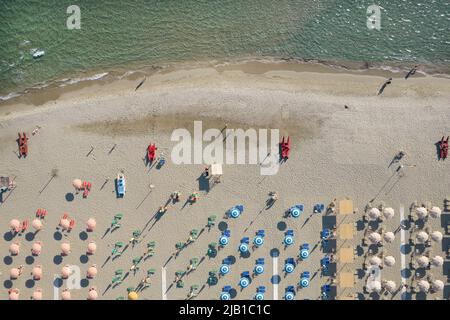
x,y
132,32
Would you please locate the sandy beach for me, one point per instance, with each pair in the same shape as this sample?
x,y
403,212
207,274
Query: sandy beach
x,y
337,152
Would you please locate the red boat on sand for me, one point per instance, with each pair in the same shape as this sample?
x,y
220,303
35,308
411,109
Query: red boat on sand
x,y
285,148
443,148
151,152
23,145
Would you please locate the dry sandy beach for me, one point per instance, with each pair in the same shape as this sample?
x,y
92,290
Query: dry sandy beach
x,y
337,152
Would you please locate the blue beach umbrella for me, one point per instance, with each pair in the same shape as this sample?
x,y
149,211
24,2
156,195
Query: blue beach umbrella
x,y
224,269
295,212
304,253
259,296
304,282
259,268
289,295
235,212
223,240
243,247
289,268
244,282
225,296
258,241
288,240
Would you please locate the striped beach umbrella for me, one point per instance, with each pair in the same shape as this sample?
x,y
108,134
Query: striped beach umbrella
x,y
288,240
289,295
223,240
259,268
225,296
295,212
289,268
244,282
304,254
224,269
259,296
304,282
243,247
235,212
258,241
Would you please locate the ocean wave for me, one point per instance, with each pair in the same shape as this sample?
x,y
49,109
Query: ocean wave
x,y
77,80
10,96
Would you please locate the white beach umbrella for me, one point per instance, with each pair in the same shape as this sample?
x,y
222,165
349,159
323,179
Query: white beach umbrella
x,y
374,214
422,236
423,285
423,261
421,212
375,237
389,261
389,237
435,212
389,286
375,261
436,236
388,213
374,286
437,285
437,261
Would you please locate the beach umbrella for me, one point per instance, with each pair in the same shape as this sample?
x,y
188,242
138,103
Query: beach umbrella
x,y
224,269
258,241
14,248
436,236
92,295
435,212
389,286
91,224
225,296
65,248
132,295
36,248
304,282
37,272
91,248
374,286
14,224
259,296
288,240
92,271
223,240
389,237
235,212
388,213
374,237
289,295
14,294
77,184
37,294
437,261
423,261
243,247
422,236
14,273
374,214
375,261
37,224
421,212
423,285
389,261
437,285
65,295
295,212
64,223
259,268
289,268
244,282
66,271
304,253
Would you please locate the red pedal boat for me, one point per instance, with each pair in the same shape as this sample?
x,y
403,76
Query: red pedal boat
x,y
151,152
23,145
285,148
443,147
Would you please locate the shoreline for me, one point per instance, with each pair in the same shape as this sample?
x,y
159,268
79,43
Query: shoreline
x,y
247,65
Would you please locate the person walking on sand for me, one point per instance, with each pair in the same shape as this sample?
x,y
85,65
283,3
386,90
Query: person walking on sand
x,y
411,72
389,81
